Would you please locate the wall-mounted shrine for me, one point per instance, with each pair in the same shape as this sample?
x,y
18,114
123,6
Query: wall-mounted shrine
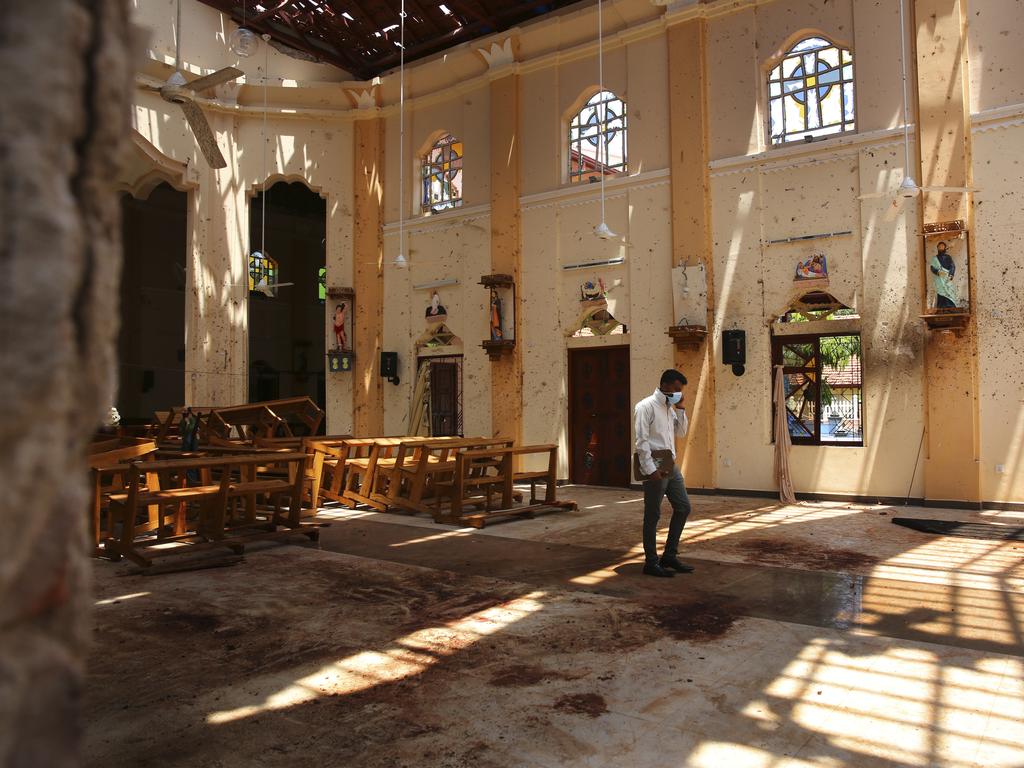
x,y
947,274
501,318
340,356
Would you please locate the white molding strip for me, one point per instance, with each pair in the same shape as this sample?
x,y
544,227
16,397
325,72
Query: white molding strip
x,y
447,220
997,119
580,194
834,149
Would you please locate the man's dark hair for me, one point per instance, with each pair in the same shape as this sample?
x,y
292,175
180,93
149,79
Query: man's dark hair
x,y
671,376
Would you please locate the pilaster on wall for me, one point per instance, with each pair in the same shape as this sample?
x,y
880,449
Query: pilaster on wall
x,y
368,246
691,230
951,469
506,249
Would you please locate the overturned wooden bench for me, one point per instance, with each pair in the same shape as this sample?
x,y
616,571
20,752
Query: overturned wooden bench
x,y
160,506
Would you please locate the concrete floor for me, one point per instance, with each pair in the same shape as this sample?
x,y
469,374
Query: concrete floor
x,y
817,634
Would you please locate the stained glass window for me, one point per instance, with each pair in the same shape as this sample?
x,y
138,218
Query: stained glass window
x,y
597,139
442,175
321,285
262,269
810,92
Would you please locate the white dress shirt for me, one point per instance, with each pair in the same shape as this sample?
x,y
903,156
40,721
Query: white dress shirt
x,y
657,424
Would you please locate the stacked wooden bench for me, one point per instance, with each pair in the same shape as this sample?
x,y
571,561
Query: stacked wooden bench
x,y
237,500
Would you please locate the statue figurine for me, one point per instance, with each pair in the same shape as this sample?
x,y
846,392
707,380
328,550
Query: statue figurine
x,y
340,337
496,334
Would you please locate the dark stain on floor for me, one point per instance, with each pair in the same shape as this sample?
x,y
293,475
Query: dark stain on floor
x,y
589,704
804,555
699,622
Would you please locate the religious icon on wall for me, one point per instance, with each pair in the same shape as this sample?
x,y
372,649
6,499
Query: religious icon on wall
x,y
814,268
341,314
495,316
946,273
591,292
436,309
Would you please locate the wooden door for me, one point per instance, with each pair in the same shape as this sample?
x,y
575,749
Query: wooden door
x,y
444,398
600,414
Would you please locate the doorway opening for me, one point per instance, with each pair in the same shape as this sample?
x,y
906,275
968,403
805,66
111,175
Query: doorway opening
x,y
443,383
151,342
600,416
287,331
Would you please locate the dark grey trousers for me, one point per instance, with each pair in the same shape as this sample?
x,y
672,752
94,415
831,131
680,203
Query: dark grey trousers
x,y
654,491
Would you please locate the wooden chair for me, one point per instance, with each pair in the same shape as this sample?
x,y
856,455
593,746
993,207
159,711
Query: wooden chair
x,y
108,464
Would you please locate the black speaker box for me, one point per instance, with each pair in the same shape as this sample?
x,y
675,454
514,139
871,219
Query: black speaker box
x,y
389,364
734,347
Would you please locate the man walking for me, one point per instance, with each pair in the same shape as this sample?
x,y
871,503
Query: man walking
x,y
658,421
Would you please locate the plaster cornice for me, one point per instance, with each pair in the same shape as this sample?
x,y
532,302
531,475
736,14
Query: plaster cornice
x,y
445,220
998,118
772,160
583,194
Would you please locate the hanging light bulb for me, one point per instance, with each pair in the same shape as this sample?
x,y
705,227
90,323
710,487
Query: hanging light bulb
x,y
908,187
243,42
400,261
602,231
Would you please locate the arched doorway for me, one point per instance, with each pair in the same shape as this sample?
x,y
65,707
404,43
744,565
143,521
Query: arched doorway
x,y
151,343
287,344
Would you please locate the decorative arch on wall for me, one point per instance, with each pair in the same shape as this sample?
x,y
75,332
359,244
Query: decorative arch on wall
x,y
145,167
288,178
808,88
582,127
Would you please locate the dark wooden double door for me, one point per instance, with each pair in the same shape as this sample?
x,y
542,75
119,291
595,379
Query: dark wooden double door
x,y
600,413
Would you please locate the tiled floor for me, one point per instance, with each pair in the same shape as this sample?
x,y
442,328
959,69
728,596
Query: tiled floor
x,y
812,635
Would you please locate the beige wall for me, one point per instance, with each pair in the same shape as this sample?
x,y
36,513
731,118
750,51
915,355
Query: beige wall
x,y
757,194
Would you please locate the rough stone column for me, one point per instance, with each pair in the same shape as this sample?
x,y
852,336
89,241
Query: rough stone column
x,y
67,66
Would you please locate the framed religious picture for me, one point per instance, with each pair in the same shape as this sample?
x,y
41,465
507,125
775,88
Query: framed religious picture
x,y
946,269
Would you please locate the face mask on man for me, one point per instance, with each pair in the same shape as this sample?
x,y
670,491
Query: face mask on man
x,y
674,398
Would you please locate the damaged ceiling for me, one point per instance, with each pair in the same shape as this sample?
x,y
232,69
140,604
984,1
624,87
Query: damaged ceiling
x,y
361,36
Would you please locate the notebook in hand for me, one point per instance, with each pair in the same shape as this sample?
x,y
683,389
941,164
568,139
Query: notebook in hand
x,y
662,459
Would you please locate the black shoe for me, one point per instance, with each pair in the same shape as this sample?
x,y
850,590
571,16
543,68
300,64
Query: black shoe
x,y
674,564
653,569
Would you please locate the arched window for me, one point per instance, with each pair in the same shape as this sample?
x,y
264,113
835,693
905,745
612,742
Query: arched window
x,y
262,271
810,92
597,139
442,175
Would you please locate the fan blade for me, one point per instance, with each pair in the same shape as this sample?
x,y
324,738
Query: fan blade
x,y
204,136
225,75
896,207
873,195
279,285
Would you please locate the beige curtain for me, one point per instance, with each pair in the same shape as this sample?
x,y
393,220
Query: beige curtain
x,y
782,441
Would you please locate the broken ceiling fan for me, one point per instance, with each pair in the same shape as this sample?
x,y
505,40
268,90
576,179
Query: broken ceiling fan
x,y
177,90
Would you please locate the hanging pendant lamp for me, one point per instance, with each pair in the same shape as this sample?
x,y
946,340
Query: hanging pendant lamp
x,y
400,261
602,230
243,41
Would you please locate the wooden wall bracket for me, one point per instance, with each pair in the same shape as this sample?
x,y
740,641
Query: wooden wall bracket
x,y
688,336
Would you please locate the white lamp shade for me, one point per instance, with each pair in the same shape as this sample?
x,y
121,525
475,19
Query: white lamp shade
x,y
602,231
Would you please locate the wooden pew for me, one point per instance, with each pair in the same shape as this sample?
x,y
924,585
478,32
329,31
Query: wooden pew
x,y
469,488
108,462
225,480
336,452
410,483
266,419
361,471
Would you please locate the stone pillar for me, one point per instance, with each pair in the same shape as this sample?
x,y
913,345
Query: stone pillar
x,y
62,131
506,249
951,469
368,254
691,231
